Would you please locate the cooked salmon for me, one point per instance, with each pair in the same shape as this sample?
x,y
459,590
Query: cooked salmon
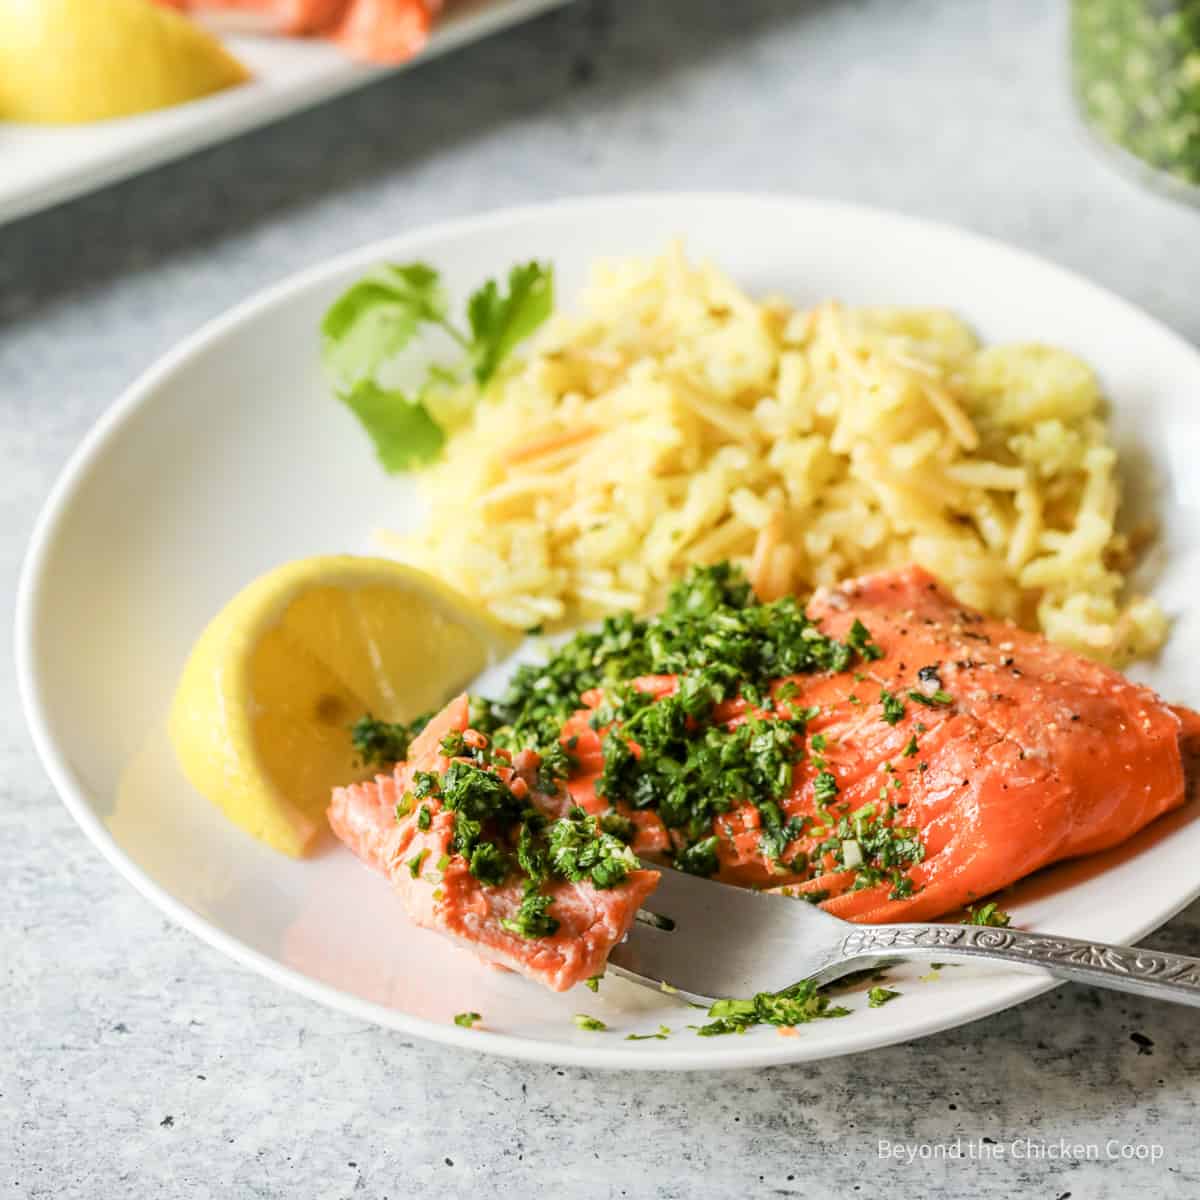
x,y
1019,754
956,757
439,891
382,31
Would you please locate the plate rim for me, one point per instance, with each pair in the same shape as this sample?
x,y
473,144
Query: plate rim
x,y
1015,989
184,129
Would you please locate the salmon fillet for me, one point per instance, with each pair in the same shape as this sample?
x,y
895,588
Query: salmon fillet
x,y
1029,755
954,756
439,891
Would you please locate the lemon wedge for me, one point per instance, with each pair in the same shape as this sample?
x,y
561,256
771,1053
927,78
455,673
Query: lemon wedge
x,y
261,717
68,61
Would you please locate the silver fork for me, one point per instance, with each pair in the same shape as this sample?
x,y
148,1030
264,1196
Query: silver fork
x,y
710,941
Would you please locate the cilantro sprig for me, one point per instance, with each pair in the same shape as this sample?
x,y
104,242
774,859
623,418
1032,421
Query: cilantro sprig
x,y
376,319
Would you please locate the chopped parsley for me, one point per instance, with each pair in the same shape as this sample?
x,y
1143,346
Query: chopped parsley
x,y
825,787
580,849
593,984
700,858
591,1024
660,1035
877,850
727,737
531,919
415,863
877,997
796,1005
936,699
859,639
468,1020
489,864
893,707
381,743
911,748
987,914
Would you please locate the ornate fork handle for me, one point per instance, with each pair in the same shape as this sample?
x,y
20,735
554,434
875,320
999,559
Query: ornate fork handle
x,y
1126,968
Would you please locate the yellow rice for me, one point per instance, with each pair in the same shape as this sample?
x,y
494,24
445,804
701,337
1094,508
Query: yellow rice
x,y
675,420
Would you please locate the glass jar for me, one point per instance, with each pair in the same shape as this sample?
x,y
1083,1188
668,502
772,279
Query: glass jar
x,y
1135,67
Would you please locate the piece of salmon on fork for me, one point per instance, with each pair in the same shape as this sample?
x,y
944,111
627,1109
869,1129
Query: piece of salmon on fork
x,y
413,836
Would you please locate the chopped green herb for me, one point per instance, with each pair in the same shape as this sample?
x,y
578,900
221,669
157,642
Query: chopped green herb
x,y
937,699
663,1033
384,742
467,1019
489,864
825,787
580,850
911,748
987,914
414,863
424,818
1135,74
426,783
796,1005
859,639
877,997
531,919
591,1024
700,858
593,984
893,707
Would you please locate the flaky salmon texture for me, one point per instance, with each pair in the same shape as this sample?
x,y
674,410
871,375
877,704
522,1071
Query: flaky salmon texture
x,y
965,753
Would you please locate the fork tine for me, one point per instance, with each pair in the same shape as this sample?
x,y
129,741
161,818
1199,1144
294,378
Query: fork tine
x,y
709,940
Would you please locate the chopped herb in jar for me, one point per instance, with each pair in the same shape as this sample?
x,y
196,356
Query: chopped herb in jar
x,y
1136,73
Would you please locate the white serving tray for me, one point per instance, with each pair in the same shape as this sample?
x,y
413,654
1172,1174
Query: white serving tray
x,y
44,165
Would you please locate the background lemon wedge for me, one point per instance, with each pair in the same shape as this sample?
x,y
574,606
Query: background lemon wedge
x,y
261,717
66,61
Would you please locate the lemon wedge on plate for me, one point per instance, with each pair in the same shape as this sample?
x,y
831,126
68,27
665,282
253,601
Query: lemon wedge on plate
x,y
261,717
68,61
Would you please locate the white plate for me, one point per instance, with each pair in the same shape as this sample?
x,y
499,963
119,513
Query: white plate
x,y
229,457
44,165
